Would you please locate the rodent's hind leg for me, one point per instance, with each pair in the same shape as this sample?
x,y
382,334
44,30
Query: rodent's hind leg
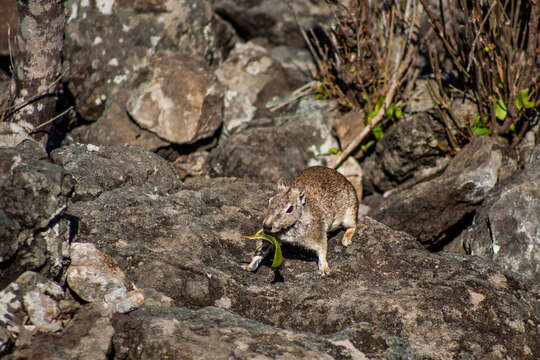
x,y
349,222
263,249
347,237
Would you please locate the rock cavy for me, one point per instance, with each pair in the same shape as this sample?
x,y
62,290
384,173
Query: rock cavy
x,y
319,200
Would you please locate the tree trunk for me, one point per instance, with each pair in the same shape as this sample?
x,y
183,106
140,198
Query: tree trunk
x,y
37,59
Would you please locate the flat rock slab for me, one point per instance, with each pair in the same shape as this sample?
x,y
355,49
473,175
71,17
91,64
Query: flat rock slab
x,y
98,169
214,333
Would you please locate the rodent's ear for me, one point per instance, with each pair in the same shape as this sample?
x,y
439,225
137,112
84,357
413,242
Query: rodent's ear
x,y
282,184
302,195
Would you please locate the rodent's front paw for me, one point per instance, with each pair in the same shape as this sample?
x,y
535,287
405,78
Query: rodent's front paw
x,y
324,270
255,262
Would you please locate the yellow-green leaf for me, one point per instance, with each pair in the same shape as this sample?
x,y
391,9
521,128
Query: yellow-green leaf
x,y
366,146
378,132
500,110
334,151
523,101
278,258
398,113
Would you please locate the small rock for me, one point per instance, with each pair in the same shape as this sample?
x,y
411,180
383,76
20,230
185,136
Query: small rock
x,y
94,277
177,99
35,297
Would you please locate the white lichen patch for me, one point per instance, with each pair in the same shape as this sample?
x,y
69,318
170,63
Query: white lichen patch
x,y
85,3
96,64
91,147
154,40
98,40
73,13
223,302
120,78
113,62
8,302
105,6
16,161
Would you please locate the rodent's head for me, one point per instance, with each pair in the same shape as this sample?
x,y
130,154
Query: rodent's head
x,y
284,209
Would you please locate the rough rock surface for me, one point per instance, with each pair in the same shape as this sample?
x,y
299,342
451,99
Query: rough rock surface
x,y
411,149
227,336
11,133
94,31
94,277
386,295
98,169
86,337
252,77
34,296
429,210
268,149
187,246
273,19
177,98
507,226
116,128
34,194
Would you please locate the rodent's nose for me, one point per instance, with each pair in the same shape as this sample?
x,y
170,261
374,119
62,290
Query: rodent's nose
x,y
266,227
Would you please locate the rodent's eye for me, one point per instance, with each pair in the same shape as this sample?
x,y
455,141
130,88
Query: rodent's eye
x,y
289,209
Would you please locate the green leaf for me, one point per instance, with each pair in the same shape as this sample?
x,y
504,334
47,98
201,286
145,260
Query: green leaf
x,y
478,128
523,101
390,111
398,113
378,107
378,132
481,131
367,145
278,257
334,151
500,110
513,127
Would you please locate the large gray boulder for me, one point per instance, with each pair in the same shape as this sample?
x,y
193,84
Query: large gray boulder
x,y
268,148
506,228
411,150
177,98
430,209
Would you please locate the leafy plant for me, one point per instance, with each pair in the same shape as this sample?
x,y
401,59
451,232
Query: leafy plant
x,y
364,61
278,258
494,47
